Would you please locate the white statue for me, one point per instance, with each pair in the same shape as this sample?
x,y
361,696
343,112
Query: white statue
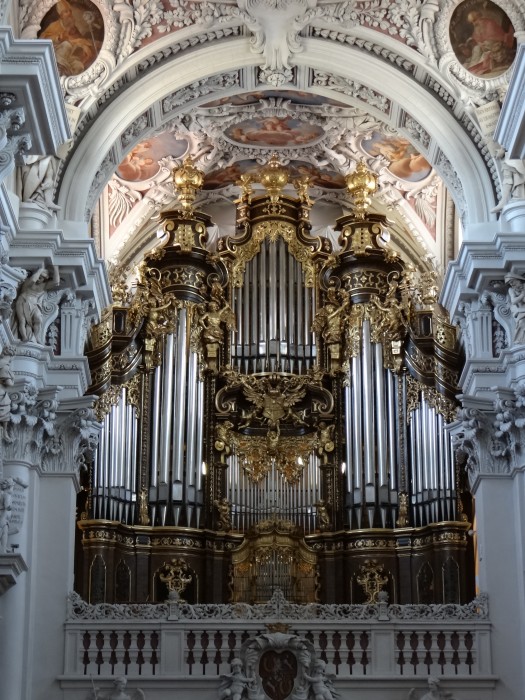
x,y
234,684
513,180
6,379
36,181
7,487
119,692
517,305
434,691
321,682
29,303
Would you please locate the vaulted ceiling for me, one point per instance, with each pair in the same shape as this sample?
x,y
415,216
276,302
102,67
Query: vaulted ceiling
x,y
402,85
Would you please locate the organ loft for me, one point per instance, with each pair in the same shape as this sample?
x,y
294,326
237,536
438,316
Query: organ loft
x,y
275,412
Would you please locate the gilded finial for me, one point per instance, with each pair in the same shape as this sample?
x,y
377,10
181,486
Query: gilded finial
x,y
188,181
361,184
273,177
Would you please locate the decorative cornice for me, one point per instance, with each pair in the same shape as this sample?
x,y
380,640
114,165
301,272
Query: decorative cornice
x,y
278,608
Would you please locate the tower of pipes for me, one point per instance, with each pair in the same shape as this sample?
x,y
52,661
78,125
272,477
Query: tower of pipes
x,y
274,414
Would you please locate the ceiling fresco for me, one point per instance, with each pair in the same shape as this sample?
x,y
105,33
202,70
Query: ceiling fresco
x,y
314,136
280,97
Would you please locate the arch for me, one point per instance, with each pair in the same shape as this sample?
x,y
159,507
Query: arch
x,y
454,155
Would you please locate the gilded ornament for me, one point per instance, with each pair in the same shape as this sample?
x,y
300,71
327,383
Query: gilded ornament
x,y
372,580
108,399
360,185
176,575
272,230
184,237
188,180
273,177
144,518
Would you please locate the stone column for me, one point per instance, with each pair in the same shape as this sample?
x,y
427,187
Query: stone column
x,y
489,438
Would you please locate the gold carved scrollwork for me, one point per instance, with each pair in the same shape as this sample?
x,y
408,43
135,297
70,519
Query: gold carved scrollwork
x,y
372,580
133,393
273,396
108,399
183,237
445,334
289,453
444,406
102,332
414,389
272,230
176,576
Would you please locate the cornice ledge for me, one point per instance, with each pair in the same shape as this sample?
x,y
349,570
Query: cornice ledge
x,y
11,566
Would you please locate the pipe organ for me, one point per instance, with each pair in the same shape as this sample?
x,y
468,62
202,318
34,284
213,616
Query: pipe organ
x,y
274,413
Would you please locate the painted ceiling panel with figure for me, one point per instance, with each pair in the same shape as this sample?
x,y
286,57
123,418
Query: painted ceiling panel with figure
x,y
317,137
279,92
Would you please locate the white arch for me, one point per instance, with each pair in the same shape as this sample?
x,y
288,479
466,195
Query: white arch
x,y
344,61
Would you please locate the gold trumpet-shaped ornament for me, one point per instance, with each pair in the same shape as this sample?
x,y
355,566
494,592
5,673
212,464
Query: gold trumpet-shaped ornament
x,y
188,181
361,184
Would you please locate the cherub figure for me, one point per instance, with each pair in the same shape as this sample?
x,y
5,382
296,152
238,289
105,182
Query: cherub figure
x,y
234,685
321,682
119,692
434,691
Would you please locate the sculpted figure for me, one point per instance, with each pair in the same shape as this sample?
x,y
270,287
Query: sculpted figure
x,y
517,305
235,684
29,303
118,692
7,487
321,682
36,181
512,180
6,379
435,691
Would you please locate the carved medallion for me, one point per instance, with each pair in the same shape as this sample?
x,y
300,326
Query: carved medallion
x,y
278,671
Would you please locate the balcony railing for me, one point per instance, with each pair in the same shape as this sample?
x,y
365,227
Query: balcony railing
x,y
176,639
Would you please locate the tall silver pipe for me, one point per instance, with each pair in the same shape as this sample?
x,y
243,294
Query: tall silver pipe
x,y
357,434
272,288
368,415
179,420
261,293
199,454
392,432
282,334
425,446
155,423
348,437
292,341
433,449
380,417
193,419
167,408
419,453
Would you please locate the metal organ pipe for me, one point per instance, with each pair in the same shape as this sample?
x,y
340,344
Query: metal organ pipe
x,y
380,416
179,416
393,428
368,415
166,412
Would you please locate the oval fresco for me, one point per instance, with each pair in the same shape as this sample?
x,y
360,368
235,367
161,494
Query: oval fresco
x,y
142,162
274,132
76,29
404,161
326,178
295,97
482,37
